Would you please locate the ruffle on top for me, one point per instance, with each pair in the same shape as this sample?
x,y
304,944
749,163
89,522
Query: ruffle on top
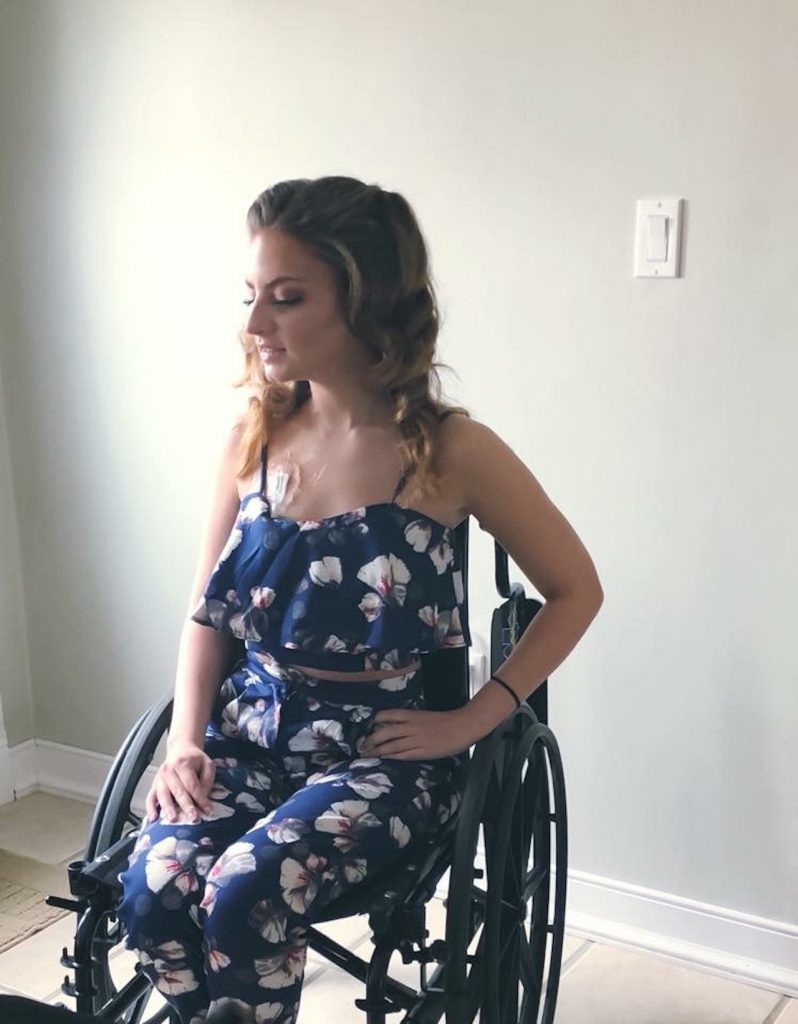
x,y
364,589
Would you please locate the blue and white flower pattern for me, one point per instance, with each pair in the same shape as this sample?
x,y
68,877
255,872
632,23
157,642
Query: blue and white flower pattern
x,y
373,586
218,909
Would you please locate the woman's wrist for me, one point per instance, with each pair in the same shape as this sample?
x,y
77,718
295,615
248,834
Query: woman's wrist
x,y
489,707
507,689
179,738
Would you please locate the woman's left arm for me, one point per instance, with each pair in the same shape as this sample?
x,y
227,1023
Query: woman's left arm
x,y
509,503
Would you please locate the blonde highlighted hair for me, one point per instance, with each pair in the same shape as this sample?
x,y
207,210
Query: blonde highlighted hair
x,y
372,242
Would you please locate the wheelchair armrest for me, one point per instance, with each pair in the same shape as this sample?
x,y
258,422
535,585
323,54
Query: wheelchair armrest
x,y
85,876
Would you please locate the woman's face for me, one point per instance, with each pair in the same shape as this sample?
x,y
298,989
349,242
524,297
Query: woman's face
x,y
296,324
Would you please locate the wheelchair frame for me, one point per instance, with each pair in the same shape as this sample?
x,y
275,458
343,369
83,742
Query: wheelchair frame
x,y
514,793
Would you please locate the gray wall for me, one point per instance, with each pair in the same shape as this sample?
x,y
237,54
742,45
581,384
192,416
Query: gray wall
x,y
16,695
659,415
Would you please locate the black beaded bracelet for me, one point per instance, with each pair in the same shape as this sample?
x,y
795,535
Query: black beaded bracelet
x,y
512,692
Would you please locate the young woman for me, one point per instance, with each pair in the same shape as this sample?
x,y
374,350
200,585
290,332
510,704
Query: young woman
x,y
330,551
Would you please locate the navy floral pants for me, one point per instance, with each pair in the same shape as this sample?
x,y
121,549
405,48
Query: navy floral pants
x,y
218,910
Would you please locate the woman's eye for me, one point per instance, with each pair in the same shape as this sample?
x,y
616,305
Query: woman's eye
x,y
276,302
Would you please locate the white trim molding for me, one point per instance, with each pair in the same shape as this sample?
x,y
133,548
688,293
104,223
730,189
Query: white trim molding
x,y
6,783
721,940
49,767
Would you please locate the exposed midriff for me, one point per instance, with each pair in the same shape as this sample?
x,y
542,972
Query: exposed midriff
x,y
365,677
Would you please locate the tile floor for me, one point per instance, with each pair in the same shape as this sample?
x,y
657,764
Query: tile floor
x,y
600,984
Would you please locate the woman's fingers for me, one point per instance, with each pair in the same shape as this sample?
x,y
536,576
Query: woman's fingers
x,y
185,787
206,782
151,805
181,788
168,808
383,734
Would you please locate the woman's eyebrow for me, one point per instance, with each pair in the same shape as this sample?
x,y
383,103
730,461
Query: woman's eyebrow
x,y
274,281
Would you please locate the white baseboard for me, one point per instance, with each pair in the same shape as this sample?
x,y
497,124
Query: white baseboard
x,y
49,767
23,769
723,941
727,942
6,785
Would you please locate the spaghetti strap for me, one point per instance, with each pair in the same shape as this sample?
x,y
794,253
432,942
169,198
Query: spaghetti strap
x,y
399,486
406,473
262,490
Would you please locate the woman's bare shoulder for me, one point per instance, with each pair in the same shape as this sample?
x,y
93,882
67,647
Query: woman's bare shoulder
x,y
456,432
451,442
509,503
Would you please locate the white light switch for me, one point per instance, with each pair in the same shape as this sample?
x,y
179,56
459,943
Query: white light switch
x,y
658,237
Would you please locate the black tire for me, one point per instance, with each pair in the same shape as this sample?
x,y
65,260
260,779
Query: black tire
x,y
134,759
114,819
507,801
118,815
100,807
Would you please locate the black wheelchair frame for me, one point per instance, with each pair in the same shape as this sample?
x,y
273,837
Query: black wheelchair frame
x,y
514,796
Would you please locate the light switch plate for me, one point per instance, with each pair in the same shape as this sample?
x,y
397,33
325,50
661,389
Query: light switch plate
x,y
671,265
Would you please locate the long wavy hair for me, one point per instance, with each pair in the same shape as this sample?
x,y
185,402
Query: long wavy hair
x,y
372,241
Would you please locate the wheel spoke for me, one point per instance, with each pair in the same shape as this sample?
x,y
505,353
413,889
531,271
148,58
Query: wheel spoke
x,y
514,872
492,796
533,881
519,843
521,808
475,980
527,963
508,995
512,923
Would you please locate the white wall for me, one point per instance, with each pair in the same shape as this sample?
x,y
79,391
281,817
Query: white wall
x,y
659,415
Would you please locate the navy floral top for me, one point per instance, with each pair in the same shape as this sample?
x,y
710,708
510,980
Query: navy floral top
x,y
364,589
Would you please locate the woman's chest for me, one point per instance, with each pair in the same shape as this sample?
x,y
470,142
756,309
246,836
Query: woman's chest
x,y
320,480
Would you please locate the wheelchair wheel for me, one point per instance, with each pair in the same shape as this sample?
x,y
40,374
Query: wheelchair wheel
x,y
99,929
497,937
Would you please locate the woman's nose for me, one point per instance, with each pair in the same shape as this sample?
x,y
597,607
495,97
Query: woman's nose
x,y
260,321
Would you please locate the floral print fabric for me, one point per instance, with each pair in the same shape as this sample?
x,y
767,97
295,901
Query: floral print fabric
x,y
362,590
218,909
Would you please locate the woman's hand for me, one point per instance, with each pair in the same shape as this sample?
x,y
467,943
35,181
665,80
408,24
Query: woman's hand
x,y
410,734
182,784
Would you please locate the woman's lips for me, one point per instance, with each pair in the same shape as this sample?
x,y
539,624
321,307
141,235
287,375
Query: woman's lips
x,y
270,353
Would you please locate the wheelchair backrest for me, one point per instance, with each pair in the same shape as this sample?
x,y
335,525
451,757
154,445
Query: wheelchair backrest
x,y
445,673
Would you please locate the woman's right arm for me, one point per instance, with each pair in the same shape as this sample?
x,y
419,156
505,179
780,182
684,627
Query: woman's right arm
x,y
186,775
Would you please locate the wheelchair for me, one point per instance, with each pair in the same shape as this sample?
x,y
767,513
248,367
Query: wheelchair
x,y
504,927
